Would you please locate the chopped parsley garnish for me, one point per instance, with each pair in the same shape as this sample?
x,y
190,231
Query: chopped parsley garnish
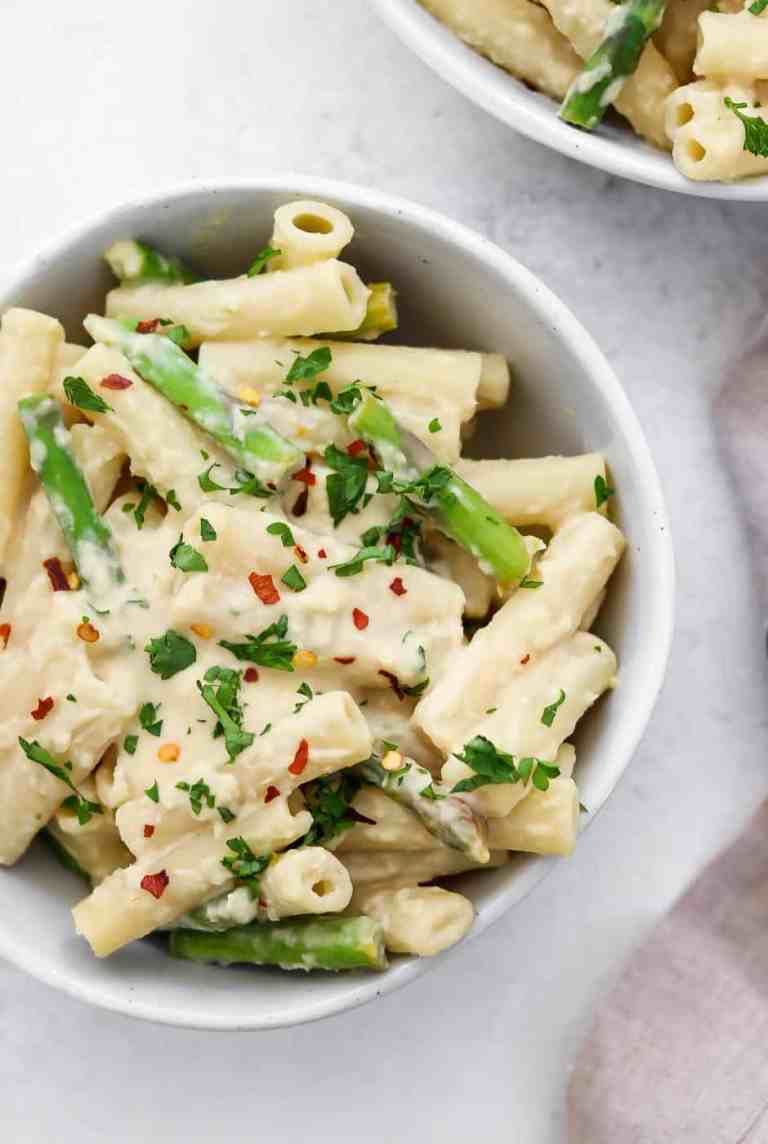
x,y
755,129
320,391
148,492
71,698
149,720
261,261
758,7
434,425
207,531
153,792
172,500
186,558
293,579
199,792
306,691
245,865
170,653
417,689
79,393
346,485
307,368
225,813
492,766
430,793
283,531
429,483
347,400
584,809
224,701
249,485
328,801
267,727
270,649
602,488
530,583
83,807
385,555
548,714
206,481
130,743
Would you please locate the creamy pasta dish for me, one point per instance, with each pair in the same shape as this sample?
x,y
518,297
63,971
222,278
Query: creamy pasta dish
x,y
275,659
689,76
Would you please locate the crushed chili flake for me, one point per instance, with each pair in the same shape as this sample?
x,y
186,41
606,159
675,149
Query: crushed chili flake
x,y
155,884
345,659
361,620
398,587
322,554
87,632
356,447
56,574
525,659
5,634
264,587
305,476
149,830
300,759
148,327
44,707
263,903
300,505
300,554
394,683
115,381
251,675
272,792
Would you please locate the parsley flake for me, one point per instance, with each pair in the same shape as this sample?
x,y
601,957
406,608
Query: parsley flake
x,y
270,649
245,865
153,792
283,531
602,488
346,485
207,531
755,129
385,555
79,393
130,743
262,260
199,793
149,720
549,713
148,493
434,425
307,368
293,579
83,807
186,558
493,766
170,654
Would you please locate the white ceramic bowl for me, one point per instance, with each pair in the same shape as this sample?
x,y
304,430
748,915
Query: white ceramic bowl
x,y
613,148
457,289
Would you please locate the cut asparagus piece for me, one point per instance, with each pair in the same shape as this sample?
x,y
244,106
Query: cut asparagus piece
x,y
380,316
243,434
319,943
134,262
456,508
449,818
87,535
627,31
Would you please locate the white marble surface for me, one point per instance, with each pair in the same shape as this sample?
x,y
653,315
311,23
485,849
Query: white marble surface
x,y
99,103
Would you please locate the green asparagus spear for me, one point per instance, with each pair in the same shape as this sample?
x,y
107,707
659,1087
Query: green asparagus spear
x,y
134,263
380,317
449,818
312,943
88,537
457,509
164,365
627,30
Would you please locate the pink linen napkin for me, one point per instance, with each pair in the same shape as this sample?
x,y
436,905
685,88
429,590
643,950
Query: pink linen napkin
x,y
678,1052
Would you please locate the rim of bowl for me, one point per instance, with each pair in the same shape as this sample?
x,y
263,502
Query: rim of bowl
x,y
635,720
506,98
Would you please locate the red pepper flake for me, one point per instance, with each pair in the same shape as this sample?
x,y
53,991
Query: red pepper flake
x,y
5,634
345,659
251,675
300,759
44,707
398,587
361,621
305,476
148,327
322,554
272,792
525,659
264,587
356,447
300,554
394,683
155,884
56,574
149,830
115,381
263,903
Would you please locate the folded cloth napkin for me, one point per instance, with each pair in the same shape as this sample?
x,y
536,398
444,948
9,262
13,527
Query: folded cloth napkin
x,y
678,1053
